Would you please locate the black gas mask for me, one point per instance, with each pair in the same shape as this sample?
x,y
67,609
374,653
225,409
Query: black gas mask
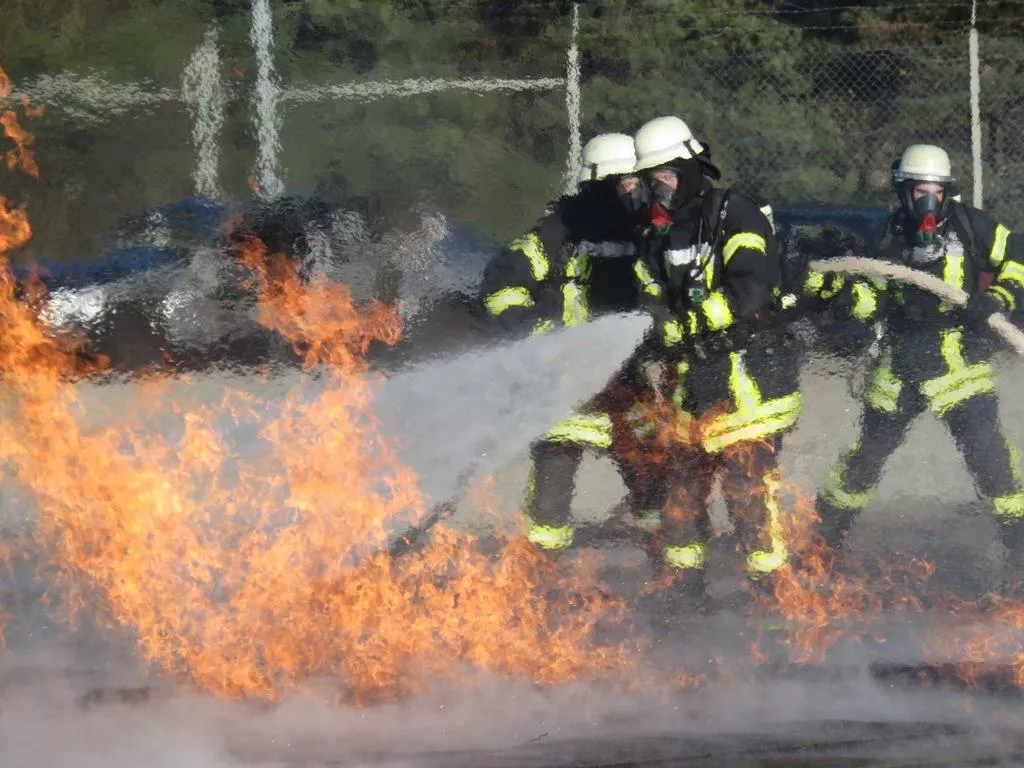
x,y
927,211
690,183
635,201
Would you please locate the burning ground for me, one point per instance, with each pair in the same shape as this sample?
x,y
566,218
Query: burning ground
x,y
204,549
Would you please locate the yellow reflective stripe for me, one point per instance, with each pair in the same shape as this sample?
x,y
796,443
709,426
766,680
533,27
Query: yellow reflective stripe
x,y
543,327
865,302
743,388
788,411
531,247
769,561
672,332
815,282
998,252
716,309
952,274
815,285
691,319
594,429
1013,272
749,240
834,490
884,387
648,520
574,304
945,401
1009,507
550,536
962,382
771,409
752,418
1005,297
952,349
646,279
507,298
953,270
687,557
578,267
679,393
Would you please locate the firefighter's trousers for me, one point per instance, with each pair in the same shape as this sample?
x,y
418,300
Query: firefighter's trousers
x,y
733,411
960,389
604,426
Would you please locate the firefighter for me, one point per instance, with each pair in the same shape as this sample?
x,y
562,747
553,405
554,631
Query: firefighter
x,y
708,268
574,264
933,355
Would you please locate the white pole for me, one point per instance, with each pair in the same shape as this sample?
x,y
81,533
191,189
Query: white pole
x,y
975,107
268,119
203,92
573,104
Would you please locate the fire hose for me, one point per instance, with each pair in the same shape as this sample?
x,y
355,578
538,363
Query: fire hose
x,y
852,265
848,265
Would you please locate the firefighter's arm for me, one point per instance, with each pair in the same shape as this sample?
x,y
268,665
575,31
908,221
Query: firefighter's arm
x,y
652,291
857,298
1003,256
517,282
846,298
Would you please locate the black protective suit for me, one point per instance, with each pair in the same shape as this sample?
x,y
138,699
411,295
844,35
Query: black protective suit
x,y
575,264
933,356
712,283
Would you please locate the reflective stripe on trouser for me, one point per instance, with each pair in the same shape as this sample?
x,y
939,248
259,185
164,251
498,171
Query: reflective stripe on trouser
x,y
750,487
592,429
884,387
754,417
962,382
549,493
556,459
974,425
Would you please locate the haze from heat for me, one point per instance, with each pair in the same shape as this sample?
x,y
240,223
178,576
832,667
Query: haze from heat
x,y
201,565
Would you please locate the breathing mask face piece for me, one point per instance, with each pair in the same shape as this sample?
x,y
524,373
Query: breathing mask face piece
x,y
924,205
927,204
661,193
635,200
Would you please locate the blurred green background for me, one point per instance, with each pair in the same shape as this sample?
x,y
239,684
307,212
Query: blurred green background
x,y
800,103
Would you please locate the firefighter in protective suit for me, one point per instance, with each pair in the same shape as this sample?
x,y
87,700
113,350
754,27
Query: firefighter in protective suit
x,y
708,268
933,355
576,263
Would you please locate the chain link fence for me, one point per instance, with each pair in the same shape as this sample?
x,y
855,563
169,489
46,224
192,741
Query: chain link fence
x,y
816,114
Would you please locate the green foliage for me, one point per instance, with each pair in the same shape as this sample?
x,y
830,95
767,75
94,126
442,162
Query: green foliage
x,y
797,104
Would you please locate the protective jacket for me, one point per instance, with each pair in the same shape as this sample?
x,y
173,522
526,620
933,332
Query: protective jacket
x,y
715,274
577,263
574,264
712,282
932,356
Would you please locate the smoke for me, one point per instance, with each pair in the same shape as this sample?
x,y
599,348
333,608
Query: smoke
x,y
50,720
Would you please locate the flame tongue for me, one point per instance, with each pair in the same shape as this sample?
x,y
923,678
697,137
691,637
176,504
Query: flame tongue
x,y
249,574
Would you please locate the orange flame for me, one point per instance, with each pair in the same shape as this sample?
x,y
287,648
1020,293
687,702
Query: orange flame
x,y
21,156
248,580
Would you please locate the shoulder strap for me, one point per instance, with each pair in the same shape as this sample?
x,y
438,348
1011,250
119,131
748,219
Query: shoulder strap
x,y
963,222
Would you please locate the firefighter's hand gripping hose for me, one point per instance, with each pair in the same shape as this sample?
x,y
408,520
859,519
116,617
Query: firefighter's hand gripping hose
x,y
851,265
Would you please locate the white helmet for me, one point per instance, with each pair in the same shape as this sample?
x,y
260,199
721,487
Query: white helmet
x,y
923,162
608,154
662,140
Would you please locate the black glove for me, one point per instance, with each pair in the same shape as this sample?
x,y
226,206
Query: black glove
x,y
980,307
